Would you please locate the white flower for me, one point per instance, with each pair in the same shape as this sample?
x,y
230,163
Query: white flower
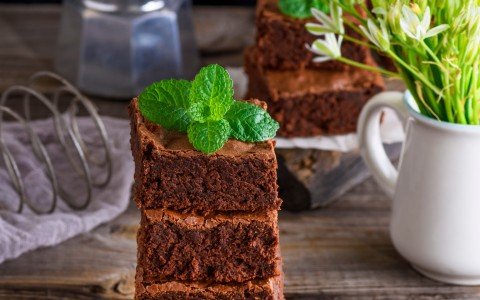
x,y
379,11
328,24
319,29
327,49
378,36
394,16
416,29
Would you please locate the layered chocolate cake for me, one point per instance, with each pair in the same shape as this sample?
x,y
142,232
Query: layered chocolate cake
x,y
308,102
209,222
306,98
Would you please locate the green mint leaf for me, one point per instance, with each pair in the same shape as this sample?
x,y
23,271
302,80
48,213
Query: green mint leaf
x,y
205,109
211,94
166,103
199,112
210,136
301,8
250,123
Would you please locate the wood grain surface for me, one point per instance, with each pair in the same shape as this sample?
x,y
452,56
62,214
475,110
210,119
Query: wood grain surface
x,y
340,252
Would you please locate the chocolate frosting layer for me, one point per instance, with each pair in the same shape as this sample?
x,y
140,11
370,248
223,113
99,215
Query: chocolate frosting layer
x,y
205,222
177,141
315,81
192,286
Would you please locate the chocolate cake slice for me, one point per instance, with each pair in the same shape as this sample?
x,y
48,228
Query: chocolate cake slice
x,y
219,248
281,42
268,289
312,102
170,174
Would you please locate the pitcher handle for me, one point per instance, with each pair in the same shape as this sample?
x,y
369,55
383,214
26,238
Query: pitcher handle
x,y
370,141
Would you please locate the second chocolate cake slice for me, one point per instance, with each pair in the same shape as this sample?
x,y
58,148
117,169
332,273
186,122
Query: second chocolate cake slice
x,y
312,102
220,248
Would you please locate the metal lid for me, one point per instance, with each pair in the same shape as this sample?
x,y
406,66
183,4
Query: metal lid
x,y
124,5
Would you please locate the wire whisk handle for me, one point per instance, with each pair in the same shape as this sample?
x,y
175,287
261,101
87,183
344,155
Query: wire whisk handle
x,y
68,136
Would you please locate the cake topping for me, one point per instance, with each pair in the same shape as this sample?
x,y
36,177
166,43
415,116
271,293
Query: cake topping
x,y
301,9
206,110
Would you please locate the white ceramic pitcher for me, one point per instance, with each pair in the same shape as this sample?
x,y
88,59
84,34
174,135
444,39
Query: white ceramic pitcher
x,y
435,221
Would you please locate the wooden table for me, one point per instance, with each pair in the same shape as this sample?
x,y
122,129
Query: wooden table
x,y
340,252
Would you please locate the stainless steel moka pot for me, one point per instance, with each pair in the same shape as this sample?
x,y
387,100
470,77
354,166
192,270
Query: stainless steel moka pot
x,y
114,48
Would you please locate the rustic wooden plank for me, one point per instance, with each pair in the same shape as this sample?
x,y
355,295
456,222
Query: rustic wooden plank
x,y
344,252
100,263
340,252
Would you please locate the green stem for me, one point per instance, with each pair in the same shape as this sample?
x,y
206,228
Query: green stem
x,y
360,42
430,52
350,10
418,75
446,99
429,96
476,115
410,83
353,26
460,114
469,111
368,67
407,66
460,108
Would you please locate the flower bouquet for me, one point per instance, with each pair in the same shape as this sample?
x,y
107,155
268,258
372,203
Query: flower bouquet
x,y
435,46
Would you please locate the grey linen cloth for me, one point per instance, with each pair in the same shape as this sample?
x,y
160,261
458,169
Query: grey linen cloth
x,y
27,231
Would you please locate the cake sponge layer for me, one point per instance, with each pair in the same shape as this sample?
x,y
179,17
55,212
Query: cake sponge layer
x,y
270,289
231,248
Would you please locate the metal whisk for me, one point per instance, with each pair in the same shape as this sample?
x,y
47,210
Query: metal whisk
x,y
68,136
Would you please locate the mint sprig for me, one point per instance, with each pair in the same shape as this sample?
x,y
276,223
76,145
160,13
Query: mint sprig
x,y
250,123
209,136
301,9
206,110
166,103
212,90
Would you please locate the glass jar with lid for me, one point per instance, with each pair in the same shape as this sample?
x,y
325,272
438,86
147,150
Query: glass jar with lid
x,y
114,48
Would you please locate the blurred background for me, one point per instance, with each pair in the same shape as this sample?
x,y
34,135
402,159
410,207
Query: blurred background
x,y
153,39
195,2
